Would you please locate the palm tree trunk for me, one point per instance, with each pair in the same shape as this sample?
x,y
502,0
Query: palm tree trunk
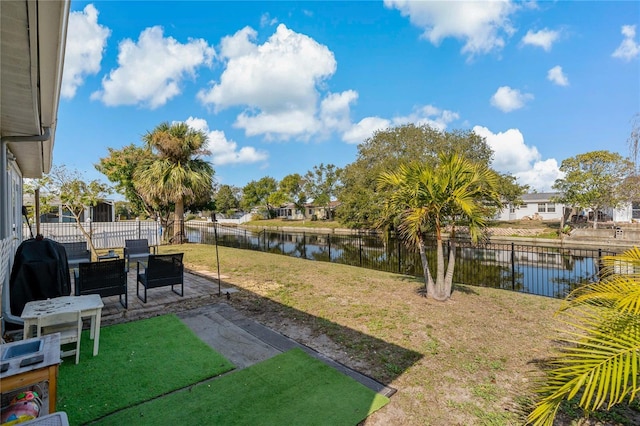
x,y
448,280
439,293
178,223
428,279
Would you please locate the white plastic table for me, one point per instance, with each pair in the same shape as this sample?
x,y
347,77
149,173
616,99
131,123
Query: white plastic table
x,y
89,306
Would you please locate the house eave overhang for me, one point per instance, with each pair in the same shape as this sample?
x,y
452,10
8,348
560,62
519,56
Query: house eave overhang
x,y
32,46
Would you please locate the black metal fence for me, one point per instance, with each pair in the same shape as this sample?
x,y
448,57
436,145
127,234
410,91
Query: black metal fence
x,y
546,271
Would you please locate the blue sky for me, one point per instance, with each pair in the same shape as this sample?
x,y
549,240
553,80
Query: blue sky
x,y
280,87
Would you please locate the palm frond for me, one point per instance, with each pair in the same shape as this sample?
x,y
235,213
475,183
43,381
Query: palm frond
x,y
599,357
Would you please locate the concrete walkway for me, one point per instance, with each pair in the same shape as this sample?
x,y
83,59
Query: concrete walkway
x,y
241,340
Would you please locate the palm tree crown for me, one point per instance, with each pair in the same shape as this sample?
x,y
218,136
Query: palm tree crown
x,y
434,199
176,174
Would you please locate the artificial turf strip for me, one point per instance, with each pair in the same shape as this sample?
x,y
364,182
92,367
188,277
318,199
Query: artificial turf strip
x,y
137,361
292,388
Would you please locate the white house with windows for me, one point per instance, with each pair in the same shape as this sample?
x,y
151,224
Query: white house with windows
x,y
32,44
540,205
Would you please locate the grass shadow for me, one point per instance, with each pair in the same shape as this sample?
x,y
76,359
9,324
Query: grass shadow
x,y
386,361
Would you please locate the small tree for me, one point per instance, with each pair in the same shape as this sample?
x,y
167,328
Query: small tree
x,y
292,187
321,184
594,180
227,199
423,199
75,194
119,167
258,193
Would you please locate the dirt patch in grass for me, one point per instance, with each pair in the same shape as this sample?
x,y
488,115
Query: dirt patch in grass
x,y
469,361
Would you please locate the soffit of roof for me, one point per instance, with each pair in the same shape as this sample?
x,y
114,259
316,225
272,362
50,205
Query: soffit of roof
x,y
32,41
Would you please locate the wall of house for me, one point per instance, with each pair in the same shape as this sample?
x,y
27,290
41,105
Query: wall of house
x,y
628,214
15,201
12,215
531,210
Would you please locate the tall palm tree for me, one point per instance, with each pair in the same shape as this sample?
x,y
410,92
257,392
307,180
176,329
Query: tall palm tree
x,y
600,357
176,175
423,199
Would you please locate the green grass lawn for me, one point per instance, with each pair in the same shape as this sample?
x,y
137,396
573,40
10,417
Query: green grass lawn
x,y
472,360
137,361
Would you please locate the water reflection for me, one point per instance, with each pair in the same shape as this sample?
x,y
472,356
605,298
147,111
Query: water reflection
x,y
543,271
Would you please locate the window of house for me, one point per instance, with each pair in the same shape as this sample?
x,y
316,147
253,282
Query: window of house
x,y
546,208
635,210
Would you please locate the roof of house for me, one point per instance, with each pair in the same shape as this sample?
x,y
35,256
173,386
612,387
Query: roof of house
x,y
540,197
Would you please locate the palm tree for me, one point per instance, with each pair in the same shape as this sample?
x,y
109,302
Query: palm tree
x,y
424,199
176,175
600,356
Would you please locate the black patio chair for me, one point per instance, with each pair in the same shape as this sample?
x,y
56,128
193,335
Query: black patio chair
x,y
77,253
107,278
161,270
135,250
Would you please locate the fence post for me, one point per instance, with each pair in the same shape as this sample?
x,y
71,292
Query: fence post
x,y
304,245
329,243
139,230
399,259
360,244
513,267
599,262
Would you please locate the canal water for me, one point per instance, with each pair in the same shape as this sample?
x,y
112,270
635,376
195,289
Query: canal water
x,y
545,271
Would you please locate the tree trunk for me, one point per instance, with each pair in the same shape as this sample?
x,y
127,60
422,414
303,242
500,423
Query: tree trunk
x,y
428,279
87,235
448,280
439,293
178,223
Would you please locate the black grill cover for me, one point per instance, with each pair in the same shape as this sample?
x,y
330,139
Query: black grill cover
x,y
40,271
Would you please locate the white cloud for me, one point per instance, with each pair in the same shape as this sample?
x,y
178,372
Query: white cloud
x,y
364,129
507,99
277,83
629,48
427,115
482,25
512,156
541,176
240,44
151,70
266,20
86,41
557,76
224,151
335,110
543,38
